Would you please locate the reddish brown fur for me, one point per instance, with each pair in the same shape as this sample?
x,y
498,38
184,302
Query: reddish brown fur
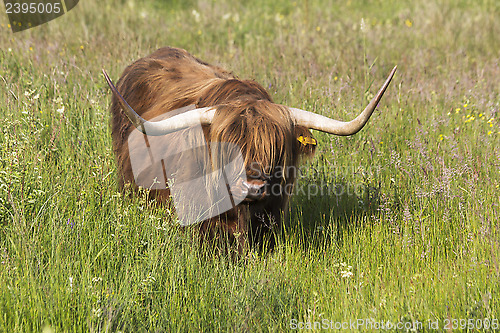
x,y
171,78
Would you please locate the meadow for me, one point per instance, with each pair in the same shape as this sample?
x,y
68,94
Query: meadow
x,y
398,224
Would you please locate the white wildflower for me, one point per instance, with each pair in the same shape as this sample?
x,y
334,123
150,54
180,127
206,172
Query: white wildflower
x,y
346,274
96,312
383,302
362,25
196,15
148,280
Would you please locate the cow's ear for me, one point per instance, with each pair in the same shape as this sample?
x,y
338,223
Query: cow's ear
x,y
304,142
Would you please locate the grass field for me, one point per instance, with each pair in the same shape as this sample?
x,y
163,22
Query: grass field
x,y
397,223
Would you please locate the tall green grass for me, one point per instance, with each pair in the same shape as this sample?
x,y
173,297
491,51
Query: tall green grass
x,y
415,238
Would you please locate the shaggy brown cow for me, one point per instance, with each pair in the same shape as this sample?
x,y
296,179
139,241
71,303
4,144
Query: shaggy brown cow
x,y
271,137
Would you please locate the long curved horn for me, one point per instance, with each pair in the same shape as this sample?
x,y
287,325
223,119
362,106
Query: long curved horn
x,y
203,116
332,126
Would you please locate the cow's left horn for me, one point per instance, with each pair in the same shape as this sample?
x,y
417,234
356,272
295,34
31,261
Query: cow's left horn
x,y
332,126
200,116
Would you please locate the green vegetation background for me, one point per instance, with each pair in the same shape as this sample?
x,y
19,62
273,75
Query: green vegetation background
x,y
405,229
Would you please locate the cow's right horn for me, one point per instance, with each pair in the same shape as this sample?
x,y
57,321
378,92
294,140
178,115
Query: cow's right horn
x,y
200,116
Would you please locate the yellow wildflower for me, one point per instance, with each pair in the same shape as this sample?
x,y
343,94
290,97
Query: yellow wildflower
x,y
408,23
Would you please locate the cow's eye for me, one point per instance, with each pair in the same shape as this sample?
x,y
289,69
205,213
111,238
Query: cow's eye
x,y
254,175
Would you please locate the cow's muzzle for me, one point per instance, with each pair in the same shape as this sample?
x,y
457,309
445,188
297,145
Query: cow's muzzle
x,y
256,189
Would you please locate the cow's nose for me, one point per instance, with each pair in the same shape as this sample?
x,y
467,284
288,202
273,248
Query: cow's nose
x,y
256,189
